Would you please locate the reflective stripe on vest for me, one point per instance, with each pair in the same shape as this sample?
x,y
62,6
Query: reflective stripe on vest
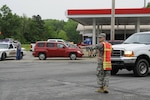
x,y
107,56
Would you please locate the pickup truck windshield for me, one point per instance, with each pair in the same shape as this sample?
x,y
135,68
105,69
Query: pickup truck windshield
x,y
3,46
138,39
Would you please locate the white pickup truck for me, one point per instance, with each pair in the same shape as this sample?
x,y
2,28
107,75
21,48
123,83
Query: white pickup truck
x,y
133,54
8,50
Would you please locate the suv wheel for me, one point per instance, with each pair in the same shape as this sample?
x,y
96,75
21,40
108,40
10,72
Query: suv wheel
x,y
141,68
73,56
42,56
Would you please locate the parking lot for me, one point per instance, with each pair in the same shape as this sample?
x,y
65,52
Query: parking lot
x,y
64,79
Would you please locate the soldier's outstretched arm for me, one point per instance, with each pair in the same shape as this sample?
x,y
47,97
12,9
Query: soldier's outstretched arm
x,y
98,46
95,47
91,47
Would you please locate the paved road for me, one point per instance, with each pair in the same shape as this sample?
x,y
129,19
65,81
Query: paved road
x,y
66,81
29,58
63,79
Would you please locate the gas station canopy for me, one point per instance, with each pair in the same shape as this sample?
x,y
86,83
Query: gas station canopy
x,y
103,16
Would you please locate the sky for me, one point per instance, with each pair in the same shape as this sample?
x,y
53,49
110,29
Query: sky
x,y
56,9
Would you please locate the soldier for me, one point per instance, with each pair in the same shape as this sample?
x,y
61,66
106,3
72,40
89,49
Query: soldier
x,y
104,50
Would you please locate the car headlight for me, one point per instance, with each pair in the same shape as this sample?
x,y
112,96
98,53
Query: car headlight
x,y
79,51
128,53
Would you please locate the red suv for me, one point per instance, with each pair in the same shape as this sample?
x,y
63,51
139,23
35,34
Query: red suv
x,y
45,49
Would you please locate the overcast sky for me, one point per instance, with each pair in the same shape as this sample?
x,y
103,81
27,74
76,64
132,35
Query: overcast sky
x,y
55,9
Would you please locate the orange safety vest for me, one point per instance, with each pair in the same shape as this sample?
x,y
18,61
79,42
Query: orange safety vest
x,y
107,56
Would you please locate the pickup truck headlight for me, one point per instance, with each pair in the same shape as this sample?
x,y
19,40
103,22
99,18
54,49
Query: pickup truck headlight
x,y
128,53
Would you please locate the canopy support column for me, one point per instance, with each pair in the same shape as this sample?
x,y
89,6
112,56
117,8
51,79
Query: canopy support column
x,y
94,32
98,32
137,26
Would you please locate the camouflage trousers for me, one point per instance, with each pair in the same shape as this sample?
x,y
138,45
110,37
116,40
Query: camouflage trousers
x,y
102,76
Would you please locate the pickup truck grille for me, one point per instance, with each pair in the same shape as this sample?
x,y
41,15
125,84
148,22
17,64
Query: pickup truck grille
x,y
117,53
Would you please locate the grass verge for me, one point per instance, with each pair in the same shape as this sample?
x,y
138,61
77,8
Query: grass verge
x,y
26,46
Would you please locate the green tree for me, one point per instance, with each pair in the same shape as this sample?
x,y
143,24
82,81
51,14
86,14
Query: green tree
x,y
5,13
55,26
70,29
32,29
148,5
25,29
35,30
63,35
10,23
50,29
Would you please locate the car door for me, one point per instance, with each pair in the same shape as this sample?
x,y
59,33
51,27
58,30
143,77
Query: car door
x,y
60,49
51,49
11,50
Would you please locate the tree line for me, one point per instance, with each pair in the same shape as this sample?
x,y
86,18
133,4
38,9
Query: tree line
x,y
28,30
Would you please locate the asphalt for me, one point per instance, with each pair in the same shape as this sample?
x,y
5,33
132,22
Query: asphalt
x,y
29,58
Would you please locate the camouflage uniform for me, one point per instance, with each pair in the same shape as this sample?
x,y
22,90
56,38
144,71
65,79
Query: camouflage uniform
x,y
102,75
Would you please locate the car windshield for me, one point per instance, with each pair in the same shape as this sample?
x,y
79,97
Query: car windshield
x,y
3,46
138,39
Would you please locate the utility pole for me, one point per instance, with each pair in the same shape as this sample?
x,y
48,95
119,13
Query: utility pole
x,y
113,21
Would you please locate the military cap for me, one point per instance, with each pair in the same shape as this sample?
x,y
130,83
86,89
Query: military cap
x,y
102,35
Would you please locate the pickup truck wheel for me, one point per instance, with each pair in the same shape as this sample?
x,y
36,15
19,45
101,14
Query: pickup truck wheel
x,y
114,71
42,56
3,57
141,68
73,56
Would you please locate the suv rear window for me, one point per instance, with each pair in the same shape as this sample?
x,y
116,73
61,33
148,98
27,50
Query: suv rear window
x,y
40,44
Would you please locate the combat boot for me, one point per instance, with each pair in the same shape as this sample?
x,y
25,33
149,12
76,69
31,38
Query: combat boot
x,y
105,89
100,90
